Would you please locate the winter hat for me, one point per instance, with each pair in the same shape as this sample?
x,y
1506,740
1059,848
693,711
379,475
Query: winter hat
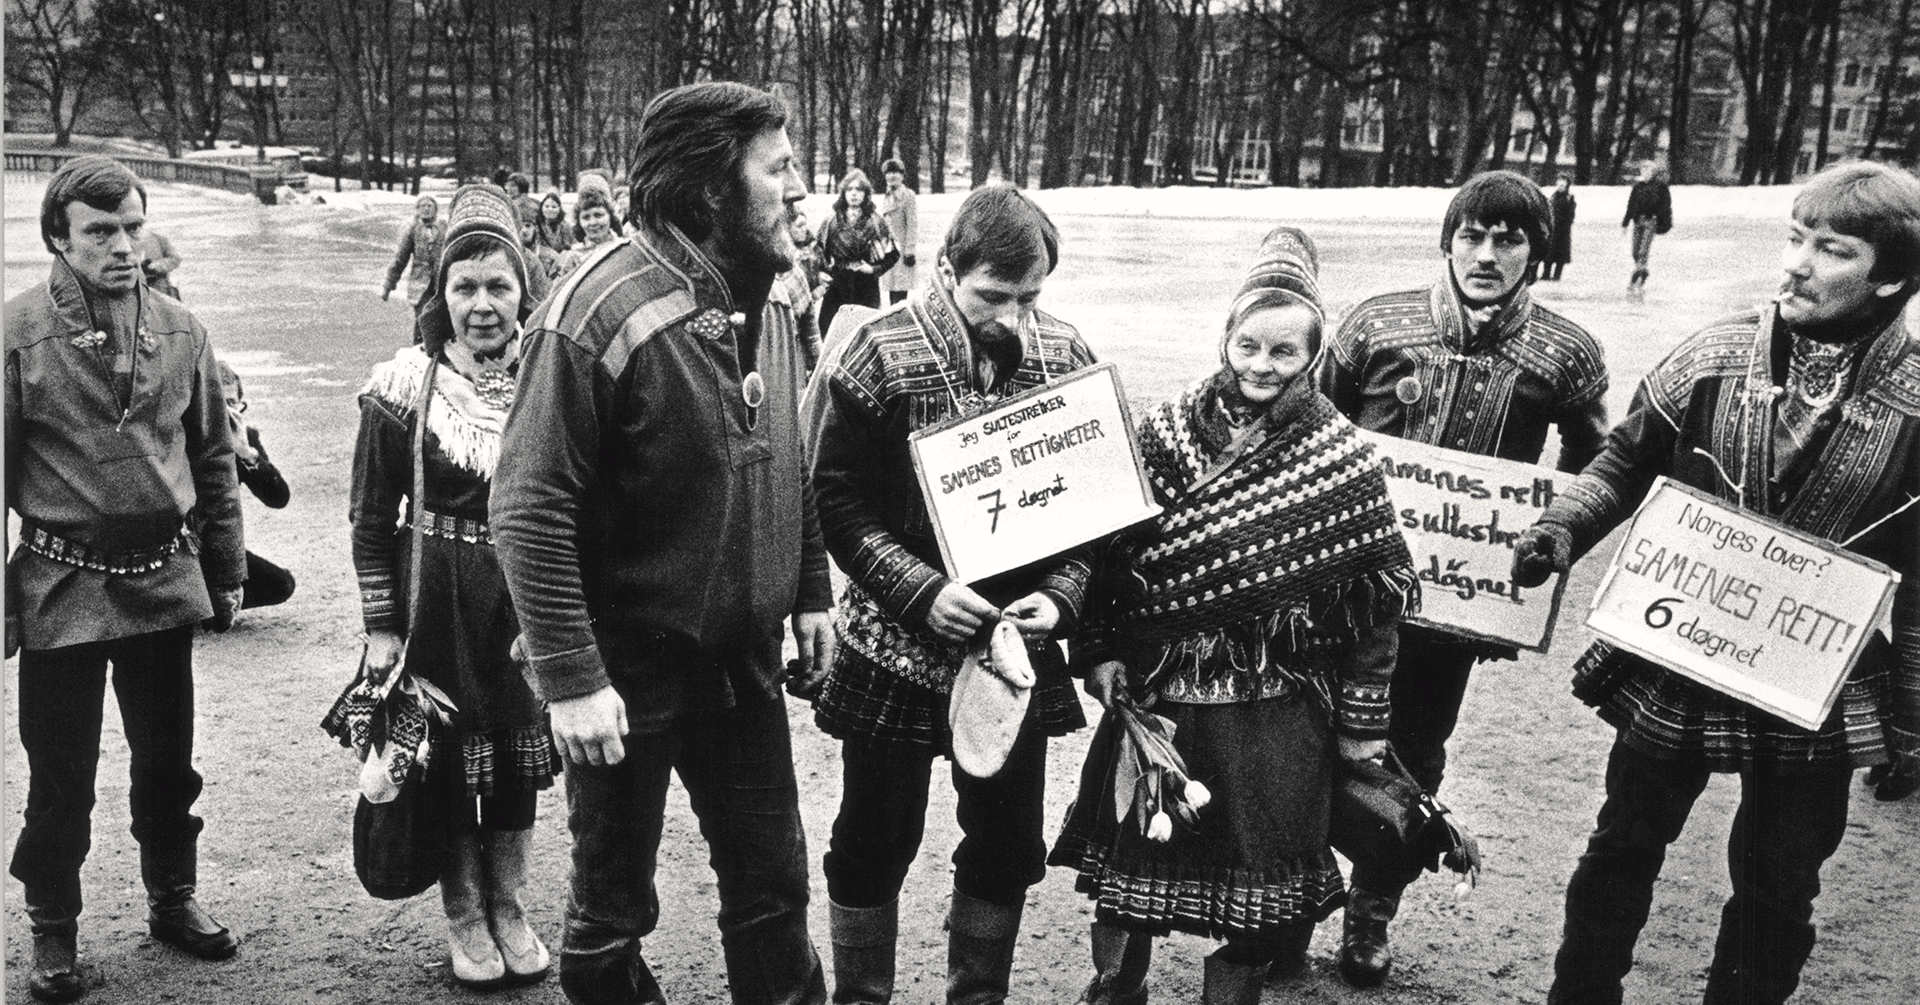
x,y
1286,269
479,214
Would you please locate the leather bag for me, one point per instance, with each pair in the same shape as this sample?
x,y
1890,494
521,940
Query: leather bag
x,y
1381,816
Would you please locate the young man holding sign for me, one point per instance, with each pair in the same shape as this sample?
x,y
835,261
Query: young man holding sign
x,y
1470,363
958,344
1807,413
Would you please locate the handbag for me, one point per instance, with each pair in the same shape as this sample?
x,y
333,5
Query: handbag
x,y
1381,816
401,834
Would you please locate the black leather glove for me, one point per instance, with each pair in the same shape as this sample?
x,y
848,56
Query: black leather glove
x,y
1542,550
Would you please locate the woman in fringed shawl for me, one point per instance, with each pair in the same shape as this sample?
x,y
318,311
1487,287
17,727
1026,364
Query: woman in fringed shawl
x,y
459,634
1259,612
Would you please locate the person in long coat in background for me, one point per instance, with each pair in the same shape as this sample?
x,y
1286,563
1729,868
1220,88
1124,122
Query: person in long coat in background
x,y
901,210
1561,250
418,252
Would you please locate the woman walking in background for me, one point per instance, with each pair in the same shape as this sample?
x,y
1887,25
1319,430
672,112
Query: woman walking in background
x,y
855,248
418,252
1561,250
458,633
1272,661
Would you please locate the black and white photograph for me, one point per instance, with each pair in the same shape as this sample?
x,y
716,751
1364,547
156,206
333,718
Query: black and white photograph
x,y
960,502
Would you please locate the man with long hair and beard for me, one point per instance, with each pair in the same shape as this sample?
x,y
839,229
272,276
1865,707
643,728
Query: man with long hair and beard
x,y
656,528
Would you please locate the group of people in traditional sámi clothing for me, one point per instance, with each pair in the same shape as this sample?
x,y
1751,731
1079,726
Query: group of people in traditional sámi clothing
x,y
593,496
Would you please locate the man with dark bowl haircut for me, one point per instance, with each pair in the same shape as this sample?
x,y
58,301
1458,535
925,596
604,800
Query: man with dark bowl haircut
x,y
657,529
119,463
969,336
1813,403
1472,363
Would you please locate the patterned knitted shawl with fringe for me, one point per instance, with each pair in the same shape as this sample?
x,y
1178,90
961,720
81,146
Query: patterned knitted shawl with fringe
x,y
1287,538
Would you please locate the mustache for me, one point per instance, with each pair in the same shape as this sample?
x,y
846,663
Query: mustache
x,y
994,331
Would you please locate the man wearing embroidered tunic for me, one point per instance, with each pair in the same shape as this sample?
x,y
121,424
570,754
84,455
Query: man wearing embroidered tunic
x,y
967,338
120,466
1472,363
1806,412
656,527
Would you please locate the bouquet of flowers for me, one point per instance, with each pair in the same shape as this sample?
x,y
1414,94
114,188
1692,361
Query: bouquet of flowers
x,y
1150,779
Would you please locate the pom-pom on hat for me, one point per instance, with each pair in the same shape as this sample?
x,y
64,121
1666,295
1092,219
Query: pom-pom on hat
x,y
1286,269
479,214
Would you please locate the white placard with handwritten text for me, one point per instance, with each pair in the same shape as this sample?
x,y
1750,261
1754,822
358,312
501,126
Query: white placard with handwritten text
x,y
1037,474
1461,514
1754,609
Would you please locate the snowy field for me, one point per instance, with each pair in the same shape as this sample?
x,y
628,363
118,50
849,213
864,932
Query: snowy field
x,y
291,296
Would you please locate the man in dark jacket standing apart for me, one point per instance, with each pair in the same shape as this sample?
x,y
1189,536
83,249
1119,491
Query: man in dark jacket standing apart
x,y
1470,363
120,465
1813,403
656,529
1649,213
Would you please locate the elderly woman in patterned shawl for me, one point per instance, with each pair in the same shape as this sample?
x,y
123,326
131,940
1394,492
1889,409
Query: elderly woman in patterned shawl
x,y
459,381
1259,612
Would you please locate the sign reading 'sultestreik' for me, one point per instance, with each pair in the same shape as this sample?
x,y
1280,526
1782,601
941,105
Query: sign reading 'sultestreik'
x,y
1041,472
1461,514
1767,614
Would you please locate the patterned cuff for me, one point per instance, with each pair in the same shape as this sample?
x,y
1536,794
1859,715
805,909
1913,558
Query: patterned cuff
x,y
1362,711
380,603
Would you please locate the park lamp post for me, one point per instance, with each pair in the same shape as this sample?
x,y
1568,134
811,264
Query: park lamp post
x,y
258,84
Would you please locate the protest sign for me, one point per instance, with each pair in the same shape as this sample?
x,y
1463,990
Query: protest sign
x,y
1038,473
1461,514
1749,607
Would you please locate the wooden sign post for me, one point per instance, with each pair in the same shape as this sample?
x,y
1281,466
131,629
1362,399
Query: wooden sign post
x,y
1461,514
1749,607
1038,473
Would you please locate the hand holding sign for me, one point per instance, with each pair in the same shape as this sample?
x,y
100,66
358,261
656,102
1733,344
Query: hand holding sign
x,y
1542,550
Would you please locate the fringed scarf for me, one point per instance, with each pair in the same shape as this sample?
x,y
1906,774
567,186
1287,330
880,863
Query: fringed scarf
x,y
464,422
1278,533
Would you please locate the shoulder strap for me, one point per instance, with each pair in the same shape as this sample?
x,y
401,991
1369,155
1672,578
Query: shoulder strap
x,y
419,490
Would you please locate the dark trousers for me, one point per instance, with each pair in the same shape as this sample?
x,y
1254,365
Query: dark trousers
x,y
61,695
847,288
737,766
1429,683
1788,824
883,813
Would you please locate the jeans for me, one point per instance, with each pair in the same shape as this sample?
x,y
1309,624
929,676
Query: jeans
x,y
61,695
737,766
1644,230
883,812
1787,826
1429,683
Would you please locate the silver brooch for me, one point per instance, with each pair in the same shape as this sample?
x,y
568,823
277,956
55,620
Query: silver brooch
x,y
1408,390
